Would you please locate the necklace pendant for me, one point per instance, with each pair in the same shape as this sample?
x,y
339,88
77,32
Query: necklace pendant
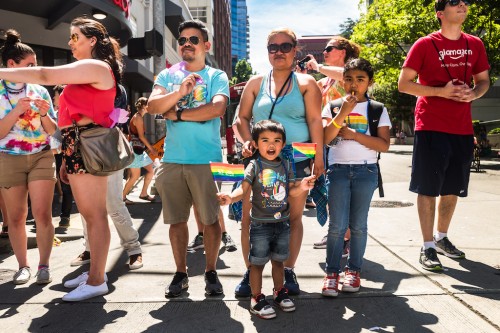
x,y
277,215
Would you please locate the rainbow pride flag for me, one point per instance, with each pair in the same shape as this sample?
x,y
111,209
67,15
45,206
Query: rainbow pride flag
x,y
301,150
227,172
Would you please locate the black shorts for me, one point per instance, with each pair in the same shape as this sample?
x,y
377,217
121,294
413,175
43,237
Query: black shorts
x,y
441,163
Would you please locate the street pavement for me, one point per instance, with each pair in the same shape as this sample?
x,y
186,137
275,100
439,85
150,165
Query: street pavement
x,y
396,294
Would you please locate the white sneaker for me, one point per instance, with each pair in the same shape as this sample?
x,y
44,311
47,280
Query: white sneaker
x,y
22,276
85,291
322,243
79,279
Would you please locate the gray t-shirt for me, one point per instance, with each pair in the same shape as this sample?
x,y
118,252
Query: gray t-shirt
x,y
269,180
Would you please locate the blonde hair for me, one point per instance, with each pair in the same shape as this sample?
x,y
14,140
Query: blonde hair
x,y
286,31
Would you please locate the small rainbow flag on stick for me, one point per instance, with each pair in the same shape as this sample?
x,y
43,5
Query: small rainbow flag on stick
x,y
227,172
301,150
307,150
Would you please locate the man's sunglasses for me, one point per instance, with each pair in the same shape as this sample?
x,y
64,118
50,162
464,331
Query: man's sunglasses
x,y
193,40
283,48
74,37
452,3
329,48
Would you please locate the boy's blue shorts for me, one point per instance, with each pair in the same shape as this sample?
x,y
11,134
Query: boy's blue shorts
x,y
269,241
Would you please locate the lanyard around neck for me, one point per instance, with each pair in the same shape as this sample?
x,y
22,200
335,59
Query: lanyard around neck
x,y
275,100
7,93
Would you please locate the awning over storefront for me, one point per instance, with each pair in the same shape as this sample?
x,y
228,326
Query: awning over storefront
x,y
137,77
64,11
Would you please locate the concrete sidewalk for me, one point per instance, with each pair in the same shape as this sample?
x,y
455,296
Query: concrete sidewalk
x,y
396,294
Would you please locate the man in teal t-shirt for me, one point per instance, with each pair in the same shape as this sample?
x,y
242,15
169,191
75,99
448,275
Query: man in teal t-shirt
x,y
192,96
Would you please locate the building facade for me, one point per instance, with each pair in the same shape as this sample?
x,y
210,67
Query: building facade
x,y
240,32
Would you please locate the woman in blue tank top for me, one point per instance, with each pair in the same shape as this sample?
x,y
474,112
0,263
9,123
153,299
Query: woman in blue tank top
x,y
297,105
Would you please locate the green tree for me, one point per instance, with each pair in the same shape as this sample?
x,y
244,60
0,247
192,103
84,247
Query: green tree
x,y
347,28
388,30
242,72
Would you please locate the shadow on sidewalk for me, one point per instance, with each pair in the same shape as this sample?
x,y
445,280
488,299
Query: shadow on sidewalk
x,y
66,317
190,316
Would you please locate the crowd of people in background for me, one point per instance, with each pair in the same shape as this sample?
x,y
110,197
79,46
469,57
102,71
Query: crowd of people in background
x,y
281,107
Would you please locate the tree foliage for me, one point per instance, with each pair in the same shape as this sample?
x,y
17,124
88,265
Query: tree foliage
x,y
242,72
347,28
389,28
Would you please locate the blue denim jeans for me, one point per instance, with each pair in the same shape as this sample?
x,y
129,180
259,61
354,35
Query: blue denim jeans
x,y
350,192
269,241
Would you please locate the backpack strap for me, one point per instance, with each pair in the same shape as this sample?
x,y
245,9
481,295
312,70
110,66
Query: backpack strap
x,y
375,110
337,103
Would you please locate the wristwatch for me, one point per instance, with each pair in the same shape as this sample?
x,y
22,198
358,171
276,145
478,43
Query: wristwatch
x,y
179,114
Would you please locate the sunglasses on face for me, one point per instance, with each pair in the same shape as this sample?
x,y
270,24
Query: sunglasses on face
x,y
283,48
74,37
193,40
329,48
454,3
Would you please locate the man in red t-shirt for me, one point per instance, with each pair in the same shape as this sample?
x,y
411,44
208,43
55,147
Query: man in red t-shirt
x,y
446,62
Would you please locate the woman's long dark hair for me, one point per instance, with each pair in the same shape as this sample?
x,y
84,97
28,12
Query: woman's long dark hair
x,y
106,48
13,48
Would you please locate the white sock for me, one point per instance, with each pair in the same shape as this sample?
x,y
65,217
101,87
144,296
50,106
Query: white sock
x,y
428,245
440,235
289,268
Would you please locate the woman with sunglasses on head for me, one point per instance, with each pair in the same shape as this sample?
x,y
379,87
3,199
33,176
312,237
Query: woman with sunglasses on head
x,y
337,52
294,100
87,101
26,161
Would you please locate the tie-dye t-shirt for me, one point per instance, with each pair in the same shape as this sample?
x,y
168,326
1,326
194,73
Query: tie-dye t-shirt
x,y
350,151
269,189
27,136
191,142
330,91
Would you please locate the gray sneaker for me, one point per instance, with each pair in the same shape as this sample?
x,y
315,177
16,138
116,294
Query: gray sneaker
x,y
43,276
213,287
429,260
229,244
196,244
22,276
445,247
179,283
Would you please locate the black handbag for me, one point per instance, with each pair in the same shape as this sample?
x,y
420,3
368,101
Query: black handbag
x,y
104,150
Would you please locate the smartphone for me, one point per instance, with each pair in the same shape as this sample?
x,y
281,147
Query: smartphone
x,y
302,63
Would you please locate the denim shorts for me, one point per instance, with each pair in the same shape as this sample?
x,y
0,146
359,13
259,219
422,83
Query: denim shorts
x,y
269,241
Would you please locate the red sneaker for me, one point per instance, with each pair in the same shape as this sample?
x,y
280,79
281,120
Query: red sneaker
x,y
330,285
352,281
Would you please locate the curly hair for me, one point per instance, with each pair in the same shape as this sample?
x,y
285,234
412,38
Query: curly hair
x,y
352,49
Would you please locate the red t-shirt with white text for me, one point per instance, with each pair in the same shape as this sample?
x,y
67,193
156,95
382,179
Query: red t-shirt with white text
x,y
437,113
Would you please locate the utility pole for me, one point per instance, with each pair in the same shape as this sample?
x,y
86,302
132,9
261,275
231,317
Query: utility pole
x,y
158,61
159,25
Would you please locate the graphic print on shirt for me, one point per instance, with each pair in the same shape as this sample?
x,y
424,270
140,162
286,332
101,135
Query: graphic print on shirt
x,y
273,188
199,94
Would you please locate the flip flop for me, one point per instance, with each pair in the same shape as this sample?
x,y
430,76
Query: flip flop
x,y
147,198
128,202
